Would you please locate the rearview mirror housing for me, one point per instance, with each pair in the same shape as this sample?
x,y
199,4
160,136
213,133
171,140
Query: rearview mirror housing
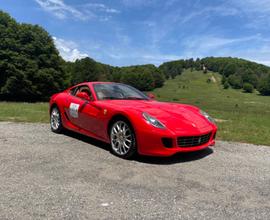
x,y
151,96
83,95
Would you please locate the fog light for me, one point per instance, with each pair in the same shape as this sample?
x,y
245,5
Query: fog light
x,y
167,142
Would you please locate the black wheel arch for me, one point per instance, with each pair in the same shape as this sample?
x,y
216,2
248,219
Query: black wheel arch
x,y
118,117
52,106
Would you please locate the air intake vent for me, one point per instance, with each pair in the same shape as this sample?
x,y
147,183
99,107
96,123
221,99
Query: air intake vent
x,y
192,141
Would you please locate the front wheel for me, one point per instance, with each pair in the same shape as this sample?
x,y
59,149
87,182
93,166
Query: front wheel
x,y
123,140
55,120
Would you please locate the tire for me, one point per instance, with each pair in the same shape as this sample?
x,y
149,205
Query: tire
x,y
123,141
55,120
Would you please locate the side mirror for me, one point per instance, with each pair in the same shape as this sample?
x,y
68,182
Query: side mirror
x,y
83,95
151,96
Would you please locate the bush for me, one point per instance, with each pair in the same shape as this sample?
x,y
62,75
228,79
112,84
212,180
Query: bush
x,y
264,86
248,87
226,85
235,81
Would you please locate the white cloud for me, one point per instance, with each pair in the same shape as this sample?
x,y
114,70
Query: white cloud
x,y
137,57
81,12
102,8
200,46
262,6
68,49
159,58
129,55
254,47
138,3
256,12
60,9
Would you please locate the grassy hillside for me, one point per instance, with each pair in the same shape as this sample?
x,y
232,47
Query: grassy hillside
x,y
240,116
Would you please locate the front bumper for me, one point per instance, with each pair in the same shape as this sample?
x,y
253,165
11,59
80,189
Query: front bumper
x,y
149,142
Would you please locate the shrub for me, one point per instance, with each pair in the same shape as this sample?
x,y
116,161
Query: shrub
x,y
235,81
264,86
248,87
226,85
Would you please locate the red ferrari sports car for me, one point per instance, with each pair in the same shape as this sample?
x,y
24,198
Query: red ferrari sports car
x,y
131,121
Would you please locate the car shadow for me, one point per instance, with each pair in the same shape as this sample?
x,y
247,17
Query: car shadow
x,y
86,139
177,158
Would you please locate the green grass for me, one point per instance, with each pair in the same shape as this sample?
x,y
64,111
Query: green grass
x,y
24,112
240,116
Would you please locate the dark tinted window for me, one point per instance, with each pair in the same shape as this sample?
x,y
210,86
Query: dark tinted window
x,y
118,91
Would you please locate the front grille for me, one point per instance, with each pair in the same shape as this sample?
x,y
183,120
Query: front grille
x,y
192,141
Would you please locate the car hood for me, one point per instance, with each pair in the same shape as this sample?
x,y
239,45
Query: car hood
x,y
178,117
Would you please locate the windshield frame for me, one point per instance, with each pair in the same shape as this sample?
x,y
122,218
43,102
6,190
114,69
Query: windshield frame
x,y
142,96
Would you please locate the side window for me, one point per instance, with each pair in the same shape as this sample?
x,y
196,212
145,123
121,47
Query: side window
x,y
86,90
73,91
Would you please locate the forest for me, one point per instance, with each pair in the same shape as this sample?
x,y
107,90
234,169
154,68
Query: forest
x,y
31,68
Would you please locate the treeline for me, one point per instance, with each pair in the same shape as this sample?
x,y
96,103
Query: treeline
x,y
143,77
236,73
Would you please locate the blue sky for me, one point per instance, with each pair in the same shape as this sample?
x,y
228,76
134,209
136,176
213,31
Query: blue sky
x,y
128,32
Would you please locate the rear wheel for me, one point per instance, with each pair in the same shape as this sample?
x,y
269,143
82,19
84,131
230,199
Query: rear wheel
x,y
55,120
123,140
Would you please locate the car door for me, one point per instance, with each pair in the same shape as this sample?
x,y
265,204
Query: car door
x,y
89,118
72,106
85,113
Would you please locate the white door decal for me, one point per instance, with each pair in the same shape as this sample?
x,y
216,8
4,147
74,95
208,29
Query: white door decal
x,y
73,110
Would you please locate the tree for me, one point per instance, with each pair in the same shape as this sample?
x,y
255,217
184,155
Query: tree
x,y
198,64
142,81
229,69
172,69
30,66
235,81
143,77
85,69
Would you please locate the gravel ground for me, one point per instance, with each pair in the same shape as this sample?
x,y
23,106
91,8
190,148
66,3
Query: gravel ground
x,y
49,176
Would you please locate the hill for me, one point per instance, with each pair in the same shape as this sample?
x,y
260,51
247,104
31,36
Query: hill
x,y
236,73
240,116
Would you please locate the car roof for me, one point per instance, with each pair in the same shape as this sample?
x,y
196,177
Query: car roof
x,y
98,82
92,83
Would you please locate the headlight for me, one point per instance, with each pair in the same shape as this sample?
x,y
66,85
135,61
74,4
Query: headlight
x,y
153,121
208,117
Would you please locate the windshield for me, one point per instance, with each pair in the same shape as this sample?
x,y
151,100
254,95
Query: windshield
x,y
118,91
